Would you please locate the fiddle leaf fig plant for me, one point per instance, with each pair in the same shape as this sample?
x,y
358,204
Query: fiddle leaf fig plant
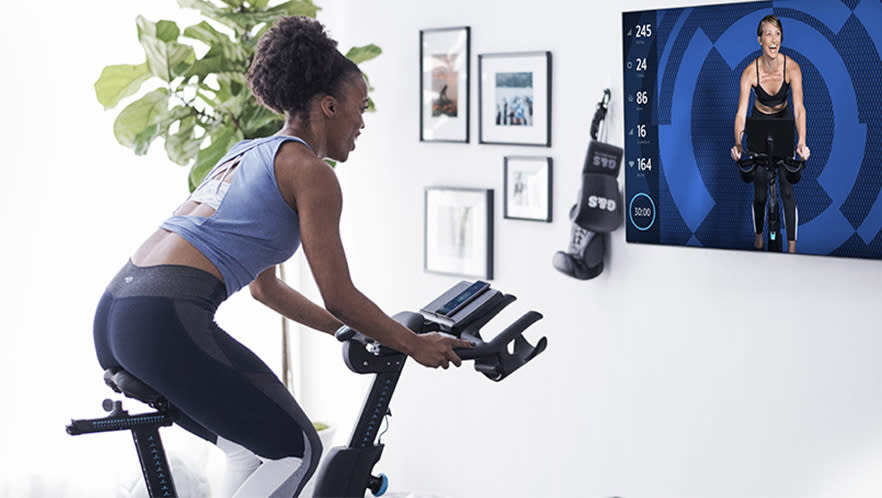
x,y
199,105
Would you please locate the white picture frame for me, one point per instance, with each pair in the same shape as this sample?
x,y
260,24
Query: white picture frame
x,y
527,188
444,84
514,98
458,231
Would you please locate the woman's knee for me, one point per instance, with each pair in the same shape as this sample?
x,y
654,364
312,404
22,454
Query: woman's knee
x,y
787,193
303,444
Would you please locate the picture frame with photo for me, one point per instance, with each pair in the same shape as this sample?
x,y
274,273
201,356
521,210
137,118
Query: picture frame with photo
x,y
458,231
527,193
514,98
444,84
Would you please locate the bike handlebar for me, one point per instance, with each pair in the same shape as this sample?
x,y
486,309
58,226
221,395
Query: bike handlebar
x,y
496,358
793,164
750,160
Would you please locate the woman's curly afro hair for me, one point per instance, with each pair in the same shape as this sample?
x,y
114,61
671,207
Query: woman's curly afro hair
x,y
295,61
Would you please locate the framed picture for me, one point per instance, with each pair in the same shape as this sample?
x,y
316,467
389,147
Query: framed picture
x,y
459,231
444,85
527,188
514,93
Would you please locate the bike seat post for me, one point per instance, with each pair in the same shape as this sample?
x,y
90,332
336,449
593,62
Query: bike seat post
x,y
154,463
144,427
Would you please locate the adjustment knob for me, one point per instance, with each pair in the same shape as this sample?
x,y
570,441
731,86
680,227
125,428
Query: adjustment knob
x,y
378,484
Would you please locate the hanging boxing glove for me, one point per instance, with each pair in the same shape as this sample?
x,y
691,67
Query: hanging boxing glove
x,y
598,209
600,205
584,257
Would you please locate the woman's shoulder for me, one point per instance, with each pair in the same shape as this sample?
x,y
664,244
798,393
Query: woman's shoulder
x,y
792,66
296,153
296,161
300,172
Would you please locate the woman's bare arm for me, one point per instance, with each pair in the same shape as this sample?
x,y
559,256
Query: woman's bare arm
x,y
276,294
795,74
319,205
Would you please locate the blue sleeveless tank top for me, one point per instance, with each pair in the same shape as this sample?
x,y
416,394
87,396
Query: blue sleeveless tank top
x,y
253,227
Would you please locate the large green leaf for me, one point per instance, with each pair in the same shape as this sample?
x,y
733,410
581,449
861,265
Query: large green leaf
x,y
256,120
139,123
162,30
244,21
296,8
364,53
166,59
206,8
208,65
233,106
259,4
182,146
212,11
221,140
119,81
234,3
206,33
167,31
224,55
231,85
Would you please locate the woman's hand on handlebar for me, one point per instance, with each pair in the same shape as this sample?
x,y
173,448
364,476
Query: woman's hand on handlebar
x,y
735,152
803,151
436,350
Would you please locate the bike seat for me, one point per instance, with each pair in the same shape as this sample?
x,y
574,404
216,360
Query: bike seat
x,y
123,382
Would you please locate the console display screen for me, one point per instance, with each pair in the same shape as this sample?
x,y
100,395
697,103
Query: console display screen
x,y
685,72
463,298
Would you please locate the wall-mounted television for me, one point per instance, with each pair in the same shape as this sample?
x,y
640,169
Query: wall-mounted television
x,y
683,70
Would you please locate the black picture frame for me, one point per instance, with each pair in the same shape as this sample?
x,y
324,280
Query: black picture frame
x,y
445,61
514,98
527,191
458,231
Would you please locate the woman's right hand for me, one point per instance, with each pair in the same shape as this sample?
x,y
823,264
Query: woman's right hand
x,y
436,350
735,152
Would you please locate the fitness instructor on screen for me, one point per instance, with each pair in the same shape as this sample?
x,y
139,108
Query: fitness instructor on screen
x,y
774,71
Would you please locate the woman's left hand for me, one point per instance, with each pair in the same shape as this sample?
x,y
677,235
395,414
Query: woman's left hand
x,y
803,151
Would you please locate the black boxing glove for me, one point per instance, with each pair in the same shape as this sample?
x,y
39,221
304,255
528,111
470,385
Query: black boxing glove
x,y
600,202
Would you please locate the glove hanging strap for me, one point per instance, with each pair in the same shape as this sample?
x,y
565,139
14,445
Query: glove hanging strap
x,y
600,113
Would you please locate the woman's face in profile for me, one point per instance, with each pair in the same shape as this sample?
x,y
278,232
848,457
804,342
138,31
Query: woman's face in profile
x,y
770,40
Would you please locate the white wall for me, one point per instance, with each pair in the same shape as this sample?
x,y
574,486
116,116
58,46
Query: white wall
x,y
635,396
678,372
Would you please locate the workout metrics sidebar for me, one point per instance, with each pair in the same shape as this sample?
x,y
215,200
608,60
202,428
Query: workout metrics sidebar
x,y
641,126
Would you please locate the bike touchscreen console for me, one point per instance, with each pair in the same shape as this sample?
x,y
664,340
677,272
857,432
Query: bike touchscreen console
x,y
458,304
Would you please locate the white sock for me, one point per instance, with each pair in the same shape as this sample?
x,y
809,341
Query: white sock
x,y
241,463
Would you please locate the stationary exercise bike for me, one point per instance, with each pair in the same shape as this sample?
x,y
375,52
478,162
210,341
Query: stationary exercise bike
x,y
346,471
762,135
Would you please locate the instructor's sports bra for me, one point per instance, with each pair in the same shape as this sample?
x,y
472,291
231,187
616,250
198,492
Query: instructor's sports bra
x,y
253,228
778,98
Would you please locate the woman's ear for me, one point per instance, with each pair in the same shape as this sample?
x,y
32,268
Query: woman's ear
x,y
329,106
